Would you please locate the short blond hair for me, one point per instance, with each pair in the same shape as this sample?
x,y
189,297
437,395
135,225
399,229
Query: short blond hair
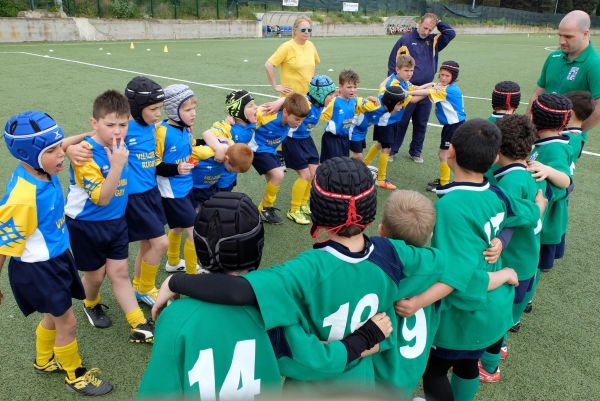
x,y
240,157
404,60
409,216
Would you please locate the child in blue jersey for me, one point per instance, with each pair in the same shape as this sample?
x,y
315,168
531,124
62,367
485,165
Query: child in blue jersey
x,y
173,152
450,112
144,213
583,107
506,97
271,130
300,152
95,212
41,269
339,116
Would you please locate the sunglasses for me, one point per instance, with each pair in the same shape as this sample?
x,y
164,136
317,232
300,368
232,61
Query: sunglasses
x,y
304,30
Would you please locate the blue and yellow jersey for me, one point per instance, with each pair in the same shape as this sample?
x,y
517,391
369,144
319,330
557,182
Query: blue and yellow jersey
x,y
269,133
173,146
32,218
381,117
86,184
303,131
340,113
238,133
449,108
208,171
141,142
393,80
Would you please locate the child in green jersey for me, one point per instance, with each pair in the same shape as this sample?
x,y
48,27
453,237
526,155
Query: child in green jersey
x,y
583,107
505,100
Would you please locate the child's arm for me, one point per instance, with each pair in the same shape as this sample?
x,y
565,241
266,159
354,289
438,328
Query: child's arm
x,y
79,153
408,306
272,107
543,172
424,86
168,169
117,158
505,275
220,148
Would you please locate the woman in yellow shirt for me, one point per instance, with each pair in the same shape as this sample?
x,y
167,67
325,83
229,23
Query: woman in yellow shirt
x,y
296,60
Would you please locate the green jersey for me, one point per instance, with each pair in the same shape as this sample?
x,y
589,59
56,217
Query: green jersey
x,y
208,351
577,139
469,215
556,153
334,291
495,117
522,253
561,75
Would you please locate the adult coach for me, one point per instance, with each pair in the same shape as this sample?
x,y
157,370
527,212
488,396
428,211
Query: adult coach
x,y
296,59
575,66
424,46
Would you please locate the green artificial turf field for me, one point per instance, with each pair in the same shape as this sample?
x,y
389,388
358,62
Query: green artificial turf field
x,y
554,357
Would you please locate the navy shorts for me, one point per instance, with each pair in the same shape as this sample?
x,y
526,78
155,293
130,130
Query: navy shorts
x,y
145,216
447,134
334,146
523,288
452,354
45,287
180,212
358,146
299,153
201,195
550,252
384,135
264,162
92,242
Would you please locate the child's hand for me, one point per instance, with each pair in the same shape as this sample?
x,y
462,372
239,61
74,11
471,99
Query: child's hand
x,y
119,154
540,171
184,168
79,153
220,153
407,307
271,107
370,351
373,99
383,322
511,276
541,201
230,120
164,295
492,253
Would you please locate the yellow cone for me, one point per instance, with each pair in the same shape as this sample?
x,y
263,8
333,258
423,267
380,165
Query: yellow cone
x,y
131,46
166,49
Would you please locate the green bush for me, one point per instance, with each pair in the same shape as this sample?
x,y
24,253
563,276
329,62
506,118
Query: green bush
x,y
10,8
122,9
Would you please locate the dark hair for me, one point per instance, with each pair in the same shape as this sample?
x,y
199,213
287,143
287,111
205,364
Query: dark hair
x,y
506,94
110,101
551,111
518,135
583,104
348,76
476,144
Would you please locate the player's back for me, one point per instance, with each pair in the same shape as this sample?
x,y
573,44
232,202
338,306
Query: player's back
x,y
141,143
210,351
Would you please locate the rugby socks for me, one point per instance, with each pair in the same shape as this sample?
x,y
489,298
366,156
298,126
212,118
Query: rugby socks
x,y
44,344
382,166
373,151
147,279
174,247
91,303
270,195
68,357
444,173
135,317
518,310
464,389
529,295
298,191
191,259
306,196
490,361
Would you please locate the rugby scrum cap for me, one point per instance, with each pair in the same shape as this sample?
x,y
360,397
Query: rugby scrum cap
x,y
392,96
506,94
551,111
175,96
319,88
452,67
142,92
236,102
29,134
343,195
228,233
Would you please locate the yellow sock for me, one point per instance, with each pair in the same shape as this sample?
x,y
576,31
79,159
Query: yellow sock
x,y
270,195
91,303
191,259
135,317
69,358
444,173
135,283
382,166
147,280
373,151
44,344
298,190
306,196
174,247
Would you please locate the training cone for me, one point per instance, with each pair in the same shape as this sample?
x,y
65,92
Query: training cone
x,y
131,46
166,49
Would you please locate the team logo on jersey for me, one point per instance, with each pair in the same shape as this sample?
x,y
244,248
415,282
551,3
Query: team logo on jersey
x,y
132,141
572,73
340,111
89,186
9,233
173,149
105,169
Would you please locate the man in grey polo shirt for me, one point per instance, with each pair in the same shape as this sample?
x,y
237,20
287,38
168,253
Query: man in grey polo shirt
x,y
575,66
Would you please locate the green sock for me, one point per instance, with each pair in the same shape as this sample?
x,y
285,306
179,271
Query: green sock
x,y
490,361
464,389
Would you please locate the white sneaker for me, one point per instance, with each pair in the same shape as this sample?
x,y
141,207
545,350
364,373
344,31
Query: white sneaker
x,y
417,159
419,399
374,171
201,270
180,267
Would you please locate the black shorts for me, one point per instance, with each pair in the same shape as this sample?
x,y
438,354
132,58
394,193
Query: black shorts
x,y
384,135
299,153
452,354
447,134
92,242
180,212
523,288
201,195
264,162
358,146
334,146
145,216
45,287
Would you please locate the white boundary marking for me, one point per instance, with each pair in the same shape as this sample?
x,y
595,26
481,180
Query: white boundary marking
x,y
214,86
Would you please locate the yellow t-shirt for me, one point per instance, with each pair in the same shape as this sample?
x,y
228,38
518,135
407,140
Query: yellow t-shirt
x,y
296,64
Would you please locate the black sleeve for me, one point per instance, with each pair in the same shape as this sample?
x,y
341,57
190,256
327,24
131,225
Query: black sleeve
x,y
362,339
167,170
215,288
199,142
